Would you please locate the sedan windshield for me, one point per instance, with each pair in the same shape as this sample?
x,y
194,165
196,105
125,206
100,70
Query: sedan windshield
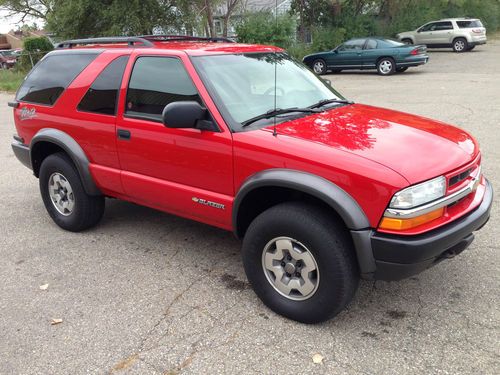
x,y
247,86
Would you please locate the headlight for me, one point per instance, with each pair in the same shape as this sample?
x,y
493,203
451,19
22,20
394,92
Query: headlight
x,y
419,194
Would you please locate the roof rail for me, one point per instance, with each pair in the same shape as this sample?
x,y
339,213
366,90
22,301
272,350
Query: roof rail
x,y
131,41
176,38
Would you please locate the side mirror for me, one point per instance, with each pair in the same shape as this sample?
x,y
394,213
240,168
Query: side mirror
x,y
188,114
336,50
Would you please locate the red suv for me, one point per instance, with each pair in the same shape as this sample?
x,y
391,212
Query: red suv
x,y
322,191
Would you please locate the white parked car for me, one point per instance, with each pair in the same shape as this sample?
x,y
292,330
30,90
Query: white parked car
x,y
462,34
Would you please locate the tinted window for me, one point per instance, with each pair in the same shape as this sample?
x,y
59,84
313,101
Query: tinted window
x,y
428,27
102,95
351,45
52,76
443,26
156,82
371,44
469,24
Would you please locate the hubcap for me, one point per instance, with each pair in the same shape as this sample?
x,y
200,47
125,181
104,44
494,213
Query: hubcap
x,y
385,66
61,194
318,67
290,268
459,45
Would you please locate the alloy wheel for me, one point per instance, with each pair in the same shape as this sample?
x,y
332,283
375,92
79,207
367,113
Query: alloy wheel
x,y
61,194
290,268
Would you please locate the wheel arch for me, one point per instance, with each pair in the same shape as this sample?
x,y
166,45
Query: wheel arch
x,y
48,141
286,184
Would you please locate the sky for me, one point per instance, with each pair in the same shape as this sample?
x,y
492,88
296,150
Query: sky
x,y
7,24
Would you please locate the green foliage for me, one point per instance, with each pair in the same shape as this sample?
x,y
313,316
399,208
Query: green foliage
x,y
11,79
34,49
264,28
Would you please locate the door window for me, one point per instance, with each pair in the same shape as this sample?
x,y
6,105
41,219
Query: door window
x,y
439,26
371,44
428,27
353,45
156,82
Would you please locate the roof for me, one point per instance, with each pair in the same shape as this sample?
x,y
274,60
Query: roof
x,y
459,19
190,45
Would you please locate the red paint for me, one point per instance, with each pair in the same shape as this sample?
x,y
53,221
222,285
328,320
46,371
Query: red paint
x,y
369,152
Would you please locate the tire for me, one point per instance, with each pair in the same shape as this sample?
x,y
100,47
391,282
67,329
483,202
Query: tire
x,y
74,210
315,232
4,66
407,41
401,70
386,66
319,66
460,45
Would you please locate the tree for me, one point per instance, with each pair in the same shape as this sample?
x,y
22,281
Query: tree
x,y
27,8
230,6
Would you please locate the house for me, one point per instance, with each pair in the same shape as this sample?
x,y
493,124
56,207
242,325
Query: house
x,y
246,6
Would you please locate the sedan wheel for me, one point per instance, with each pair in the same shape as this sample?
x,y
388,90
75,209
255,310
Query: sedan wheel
x,y
319,67
386,66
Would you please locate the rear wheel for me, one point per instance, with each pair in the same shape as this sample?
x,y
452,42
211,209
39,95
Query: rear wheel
x,y
300,262
460,45
386,66
401,70
64,196
319,66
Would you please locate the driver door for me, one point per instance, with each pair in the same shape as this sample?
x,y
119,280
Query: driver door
x,y
349,55
171,169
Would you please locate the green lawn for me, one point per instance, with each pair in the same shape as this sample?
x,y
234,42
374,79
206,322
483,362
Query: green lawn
x,y
10,80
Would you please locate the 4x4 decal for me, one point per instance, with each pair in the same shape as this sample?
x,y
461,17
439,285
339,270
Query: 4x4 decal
x,y
27,113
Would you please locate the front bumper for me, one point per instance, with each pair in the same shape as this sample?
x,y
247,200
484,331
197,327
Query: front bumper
x,y
398,257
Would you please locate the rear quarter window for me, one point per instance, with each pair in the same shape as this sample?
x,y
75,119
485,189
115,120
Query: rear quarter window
x,y
51,76
469,24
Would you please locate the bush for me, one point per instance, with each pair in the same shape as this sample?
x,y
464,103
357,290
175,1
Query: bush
x,y
263,28
34,49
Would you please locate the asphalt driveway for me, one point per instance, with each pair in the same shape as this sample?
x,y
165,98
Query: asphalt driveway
x,y
146,292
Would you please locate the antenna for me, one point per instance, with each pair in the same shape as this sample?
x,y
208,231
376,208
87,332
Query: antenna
x,y
275,68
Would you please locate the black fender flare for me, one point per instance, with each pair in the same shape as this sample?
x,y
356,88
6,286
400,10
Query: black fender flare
x,y
74,151
337,198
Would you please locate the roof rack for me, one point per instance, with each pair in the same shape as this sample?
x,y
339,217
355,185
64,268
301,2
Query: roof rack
x,y
131,41
176,38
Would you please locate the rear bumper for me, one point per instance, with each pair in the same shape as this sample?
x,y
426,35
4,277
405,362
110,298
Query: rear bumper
x,y
399,257
413,61
22,153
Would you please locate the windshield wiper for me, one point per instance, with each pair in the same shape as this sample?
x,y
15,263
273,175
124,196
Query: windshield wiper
x,y
276,112
323,102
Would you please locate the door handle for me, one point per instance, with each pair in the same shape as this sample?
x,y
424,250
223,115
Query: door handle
x,y
123,134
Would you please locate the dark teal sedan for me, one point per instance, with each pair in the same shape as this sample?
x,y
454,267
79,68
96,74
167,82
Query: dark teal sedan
x,y
385,55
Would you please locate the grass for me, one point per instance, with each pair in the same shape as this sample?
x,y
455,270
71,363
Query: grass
x,y
10,80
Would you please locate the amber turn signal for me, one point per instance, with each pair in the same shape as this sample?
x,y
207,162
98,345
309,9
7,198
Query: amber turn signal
x,y
390,223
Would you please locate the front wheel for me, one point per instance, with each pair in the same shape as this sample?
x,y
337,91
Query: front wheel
x,y
319,67
460,45
64,196
386,66
300,262
4,66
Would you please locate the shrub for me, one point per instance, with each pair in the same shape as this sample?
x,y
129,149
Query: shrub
x,y
34,49
264,28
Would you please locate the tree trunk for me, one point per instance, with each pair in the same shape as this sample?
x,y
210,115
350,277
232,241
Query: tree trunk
x,y
210,19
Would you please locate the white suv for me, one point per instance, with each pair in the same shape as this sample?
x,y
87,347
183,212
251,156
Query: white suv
x,y
462,34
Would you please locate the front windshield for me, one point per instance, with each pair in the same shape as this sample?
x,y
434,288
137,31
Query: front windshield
x,y
7,53
243,85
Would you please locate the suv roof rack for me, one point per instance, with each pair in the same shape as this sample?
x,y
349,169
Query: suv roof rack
x,y
176,38
130,40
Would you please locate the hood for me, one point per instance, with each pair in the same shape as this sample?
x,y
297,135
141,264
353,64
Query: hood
x,y
415,147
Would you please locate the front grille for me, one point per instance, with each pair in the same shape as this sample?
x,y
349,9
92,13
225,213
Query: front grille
x,y
460,177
